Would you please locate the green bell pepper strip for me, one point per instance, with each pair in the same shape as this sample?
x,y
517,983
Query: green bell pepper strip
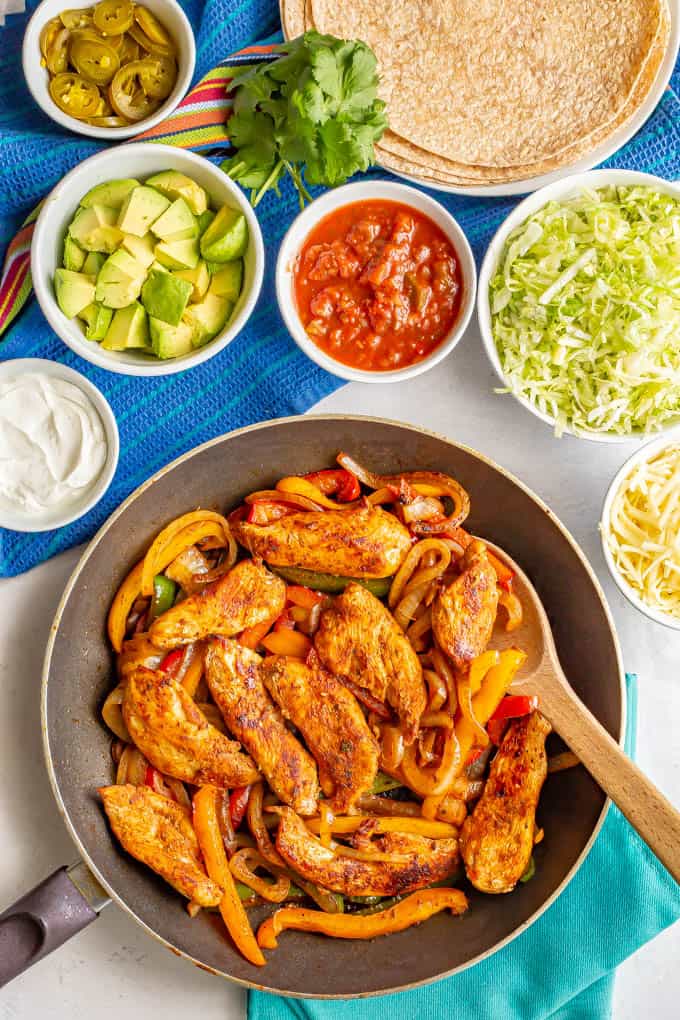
x,y
382,783
332,584
164,591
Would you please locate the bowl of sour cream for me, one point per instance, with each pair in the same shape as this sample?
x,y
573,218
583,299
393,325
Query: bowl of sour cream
x,y
58,445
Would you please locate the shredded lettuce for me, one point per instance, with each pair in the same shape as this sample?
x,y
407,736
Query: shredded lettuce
x,y
585,307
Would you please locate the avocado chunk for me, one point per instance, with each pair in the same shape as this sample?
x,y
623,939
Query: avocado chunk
x,y
165,296
111,193
170,341
97,320
207,318
199,278
74,256
158,267
227,236
141,208
177,185
93,262
177,223
204,220
228,282
74,291
129,329
178,254
141,248
94,229
120,280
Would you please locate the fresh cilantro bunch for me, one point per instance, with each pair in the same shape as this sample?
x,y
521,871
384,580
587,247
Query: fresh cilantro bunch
x,y
313,109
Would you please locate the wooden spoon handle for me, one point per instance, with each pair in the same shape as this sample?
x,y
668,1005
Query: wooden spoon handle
x,y
647,810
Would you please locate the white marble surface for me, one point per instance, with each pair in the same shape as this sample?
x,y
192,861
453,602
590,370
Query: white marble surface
x,y
112,968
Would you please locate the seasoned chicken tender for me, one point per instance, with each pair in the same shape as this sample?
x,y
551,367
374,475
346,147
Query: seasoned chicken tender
x,y
232,673
360,639
415,865
172,732
364,542
158,832
332,724
247,595
497,838
463,614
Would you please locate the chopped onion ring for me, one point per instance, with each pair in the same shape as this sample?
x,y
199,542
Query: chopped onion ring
x,y
242,866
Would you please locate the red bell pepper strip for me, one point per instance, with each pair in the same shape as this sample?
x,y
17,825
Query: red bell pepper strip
x,y
238,803
154,779
496,729
284,622
170,664
512,706
336,482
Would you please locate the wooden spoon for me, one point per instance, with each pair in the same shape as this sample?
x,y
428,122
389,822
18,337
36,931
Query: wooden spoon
x,y
647,810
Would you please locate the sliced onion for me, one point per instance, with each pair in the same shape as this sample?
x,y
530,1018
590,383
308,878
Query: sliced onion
x,y
259,829
423,508
132,767
560,762
408,568
385,806
432,782
437,689
513,608
292,498
445,671
113,716
465,703
392,741
242,866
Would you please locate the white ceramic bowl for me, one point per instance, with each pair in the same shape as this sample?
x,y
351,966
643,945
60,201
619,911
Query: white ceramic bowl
x,y
346,195
639,457
169,12
57,518
139,160
558,191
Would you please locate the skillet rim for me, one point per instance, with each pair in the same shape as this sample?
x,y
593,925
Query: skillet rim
x,y
73,580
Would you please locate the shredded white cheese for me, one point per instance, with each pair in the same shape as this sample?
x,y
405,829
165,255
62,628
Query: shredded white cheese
x,y
643,531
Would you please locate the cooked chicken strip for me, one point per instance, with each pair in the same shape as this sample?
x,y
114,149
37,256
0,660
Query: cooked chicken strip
x,y
158,832
138,651
411,869
360,639
251,715
365,542
332,724
247,595
463,614
172,732
498,837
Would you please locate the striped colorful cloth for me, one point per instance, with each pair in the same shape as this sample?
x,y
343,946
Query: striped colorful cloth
x,y
262,374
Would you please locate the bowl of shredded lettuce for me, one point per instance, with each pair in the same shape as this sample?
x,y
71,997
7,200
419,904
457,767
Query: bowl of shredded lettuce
x,y
579,305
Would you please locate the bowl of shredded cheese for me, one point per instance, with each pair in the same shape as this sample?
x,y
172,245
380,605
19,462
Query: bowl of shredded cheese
x,y
640,529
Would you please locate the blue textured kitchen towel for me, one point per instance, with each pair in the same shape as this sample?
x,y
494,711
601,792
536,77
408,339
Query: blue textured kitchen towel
x,y
262,374
562,966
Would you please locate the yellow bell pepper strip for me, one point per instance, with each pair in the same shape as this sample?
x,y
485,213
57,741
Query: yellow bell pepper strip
x,y
168,534
126,596
288,642
513,607
412,910
302,487
485,702
415,826
210,841
480,666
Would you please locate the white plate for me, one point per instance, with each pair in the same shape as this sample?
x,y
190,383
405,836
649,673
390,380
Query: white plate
x,y
598,154
59,516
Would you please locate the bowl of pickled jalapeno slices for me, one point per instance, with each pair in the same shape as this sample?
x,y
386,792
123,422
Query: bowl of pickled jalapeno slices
x,y
110,70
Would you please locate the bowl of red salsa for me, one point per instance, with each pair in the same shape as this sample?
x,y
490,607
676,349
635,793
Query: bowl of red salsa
x,y
376,281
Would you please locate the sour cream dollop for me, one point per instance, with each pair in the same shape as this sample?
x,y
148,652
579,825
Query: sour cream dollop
x,y
53,445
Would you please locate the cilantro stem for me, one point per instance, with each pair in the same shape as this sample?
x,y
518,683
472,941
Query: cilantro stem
x,y
270,182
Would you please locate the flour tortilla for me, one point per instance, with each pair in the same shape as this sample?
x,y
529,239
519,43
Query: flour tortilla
x,y
498,85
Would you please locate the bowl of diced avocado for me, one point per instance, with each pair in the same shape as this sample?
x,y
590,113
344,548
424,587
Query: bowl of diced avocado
x,y
148,273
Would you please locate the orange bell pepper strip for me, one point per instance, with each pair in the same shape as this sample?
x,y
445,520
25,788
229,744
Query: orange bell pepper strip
x,y
305,597
416,826
288,642
126,596
194,671
409,911
166,538
251,637
210,841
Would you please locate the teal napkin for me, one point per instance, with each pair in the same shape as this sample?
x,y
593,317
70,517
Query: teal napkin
x,y
562,967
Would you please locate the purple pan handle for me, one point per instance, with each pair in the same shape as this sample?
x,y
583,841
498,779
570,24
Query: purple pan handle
x,y
46,917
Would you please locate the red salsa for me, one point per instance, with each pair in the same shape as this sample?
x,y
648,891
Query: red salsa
x,y
377,285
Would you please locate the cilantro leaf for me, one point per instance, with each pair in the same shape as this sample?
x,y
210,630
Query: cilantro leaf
x,y
326,72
